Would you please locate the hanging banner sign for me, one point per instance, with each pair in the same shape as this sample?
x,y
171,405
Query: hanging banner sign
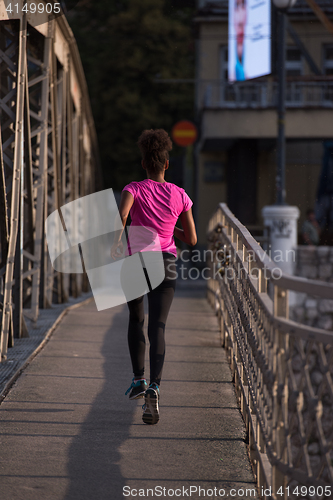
x,y
249,39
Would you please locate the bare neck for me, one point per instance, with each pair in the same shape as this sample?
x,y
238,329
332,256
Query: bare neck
x,y
156,177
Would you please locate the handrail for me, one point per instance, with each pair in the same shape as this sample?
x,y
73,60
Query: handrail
x,y
282,369
262,259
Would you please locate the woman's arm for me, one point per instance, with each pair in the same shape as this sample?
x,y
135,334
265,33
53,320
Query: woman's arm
x,y
188,234
126,202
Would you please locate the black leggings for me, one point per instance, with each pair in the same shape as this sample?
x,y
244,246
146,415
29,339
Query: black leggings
x,y
159,302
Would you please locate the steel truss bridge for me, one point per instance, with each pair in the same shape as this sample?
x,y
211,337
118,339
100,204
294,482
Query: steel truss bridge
x,y
49,157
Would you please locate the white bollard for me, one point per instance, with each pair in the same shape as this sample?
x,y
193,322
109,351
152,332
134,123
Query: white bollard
x,y
282,223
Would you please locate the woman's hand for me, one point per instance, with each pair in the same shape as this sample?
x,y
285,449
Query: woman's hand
x,y
126,202
188,234
117,250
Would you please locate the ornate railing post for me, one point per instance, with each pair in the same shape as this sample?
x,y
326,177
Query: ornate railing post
x,y
280,397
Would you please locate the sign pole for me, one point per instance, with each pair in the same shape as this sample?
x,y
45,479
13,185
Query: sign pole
x,y
184,134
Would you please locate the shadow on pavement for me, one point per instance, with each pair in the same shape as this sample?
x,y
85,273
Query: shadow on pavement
x,y
93,457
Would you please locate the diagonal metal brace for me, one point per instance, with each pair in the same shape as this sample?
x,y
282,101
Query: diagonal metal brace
x,y
321,15
313,66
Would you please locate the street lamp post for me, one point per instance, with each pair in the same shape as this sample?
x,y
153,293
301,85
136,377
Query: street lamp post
x,y
281,143
282,6
281,219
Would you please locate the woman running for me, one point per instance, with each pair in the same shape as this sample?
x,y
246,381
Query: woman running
x,y
157,204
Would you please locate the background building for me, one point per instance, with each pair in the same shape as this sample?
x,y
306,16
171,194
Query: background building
x,y
237,147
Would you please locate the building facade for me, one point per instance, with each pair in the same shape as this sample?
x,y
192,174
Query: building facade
x,y
236,153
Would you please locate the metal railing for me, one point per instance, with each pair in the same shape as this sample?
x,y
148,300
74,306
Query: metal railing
x,y
261,95
49,157
287,415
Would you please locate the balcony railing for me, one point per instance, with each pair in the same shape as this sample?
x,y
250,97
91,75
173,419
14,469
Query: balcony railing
x,y
264,94
301,7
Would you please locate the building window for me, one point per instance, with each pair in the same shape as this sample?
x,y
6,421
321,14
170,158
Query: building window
x,y
328,60
294,62
222,88
224,64
214,171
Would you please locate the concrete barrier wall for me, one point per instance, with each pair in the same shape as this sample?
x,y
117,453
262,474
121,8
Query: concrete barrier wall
x,y
314,263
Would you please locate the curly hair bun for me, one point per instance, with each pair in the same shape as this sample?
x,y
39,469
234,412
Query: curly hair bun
x,y
155,146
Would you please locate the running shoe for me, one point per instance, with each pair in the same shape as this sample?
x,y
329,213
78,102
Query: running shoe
x,y
137,389
151,412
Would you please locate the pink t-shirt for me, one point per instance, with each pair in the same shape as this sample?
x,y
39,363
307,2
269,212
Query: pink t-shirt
x,y
157,205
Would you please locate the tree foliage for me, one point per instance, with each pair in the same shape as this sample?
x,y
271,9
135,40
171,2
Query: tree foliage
x,y
126,46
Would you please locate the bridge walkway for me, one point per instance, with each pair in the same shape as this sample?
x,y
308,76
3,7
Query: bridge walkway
x,y
69,433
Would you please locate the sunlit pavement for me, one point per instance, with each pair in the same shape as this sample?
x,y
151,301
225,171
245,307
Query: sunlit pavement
x,y
69,432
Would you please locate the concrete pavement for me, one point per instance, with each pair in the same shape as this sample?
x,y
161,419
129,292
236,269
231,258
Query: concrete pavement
x,y
67,432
